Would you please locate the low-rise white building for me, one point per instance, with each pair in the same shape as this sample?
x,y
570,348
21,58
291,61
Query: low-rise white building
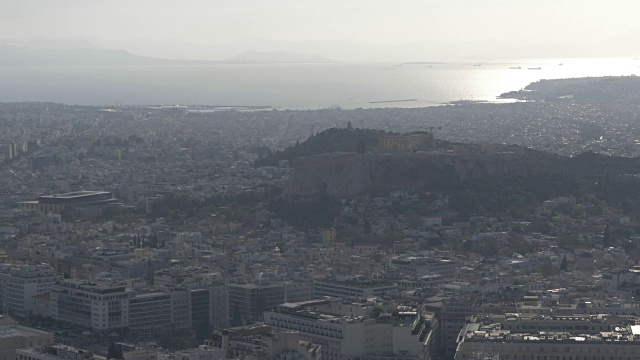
x,y
98,306
351,336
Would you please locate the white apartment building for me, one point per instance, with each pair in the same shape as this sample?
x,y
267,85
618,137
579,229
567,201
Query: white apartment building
x,y
22,284
347,337
99,306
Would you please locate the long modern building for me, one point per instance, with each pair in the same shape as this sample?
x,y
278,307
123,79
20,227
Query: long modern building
x,y
59,202
578,337
111,305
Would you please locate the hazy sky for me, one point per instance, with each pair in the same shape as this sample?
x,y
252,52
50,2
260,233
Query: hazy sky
x,y
374,21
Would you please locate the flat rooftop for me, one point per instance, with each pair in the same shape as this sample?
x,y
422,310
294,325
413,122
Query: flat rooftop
x,y
19,330
544,328
75,194
78,198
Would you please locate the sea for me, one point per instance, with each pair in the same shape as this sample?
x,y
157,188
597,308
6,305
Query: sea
x,y
296,86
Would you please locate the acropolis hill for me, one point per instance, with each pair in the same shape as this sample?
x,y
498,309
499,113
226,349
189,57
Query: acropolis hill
x,y
400,161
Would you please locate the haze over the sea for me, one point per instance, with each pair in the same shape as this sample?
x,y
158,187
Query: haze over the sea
x,y
305,54
295,86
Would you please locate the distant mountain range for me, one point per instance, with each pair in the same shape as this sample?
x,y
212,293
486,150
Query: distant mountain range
x,y
25,56
623,45
271,51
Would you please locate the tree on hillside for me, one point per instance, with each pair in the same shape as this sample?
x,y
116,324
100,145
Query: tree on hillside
x,y
114,351
606,238
563,263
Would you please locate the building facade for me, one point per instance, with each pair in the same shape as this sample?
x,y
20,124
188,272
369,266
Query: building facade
x,y
149,313
247,302
14,337
352,337
578,337
219,305
95,306
353,288
22,284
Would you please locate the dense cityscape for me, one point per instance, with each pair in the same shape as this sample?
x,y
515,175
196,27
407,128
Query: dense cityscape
x,y
153,232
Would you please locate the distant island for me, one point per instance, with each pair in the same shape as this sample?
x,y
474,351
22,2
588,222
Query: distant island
x,y
273,57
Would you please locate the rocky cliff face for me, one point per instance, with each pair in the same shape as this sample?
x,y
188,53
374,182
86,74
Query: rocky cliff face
x,y
348,174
